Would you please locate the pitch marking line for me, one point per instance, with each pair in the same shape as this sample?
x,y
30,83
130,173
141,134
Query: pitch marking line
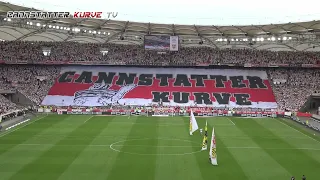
x,y
88,119
314,149
159,124
144,154
163,124
115,145
231,121
24,125
121,136
298,131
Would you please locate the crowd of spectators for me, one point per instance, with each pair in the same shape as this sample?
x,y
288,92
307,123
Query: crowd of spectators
x,y
6,105
20,51
291,87
32,81
35,81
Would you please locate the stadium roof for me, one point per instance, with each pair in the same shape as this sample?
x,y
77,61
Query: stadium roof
x,y
289,36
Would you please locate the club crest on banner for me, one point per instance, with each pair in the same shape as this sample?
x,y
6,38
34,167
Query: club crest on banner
x,y
101,94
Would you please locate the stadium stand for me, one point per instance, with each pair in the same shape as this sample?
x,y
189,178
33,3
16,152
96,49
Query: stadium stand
x,y
298,86
32,81
19,51
6,105
35,82
69,71
56,45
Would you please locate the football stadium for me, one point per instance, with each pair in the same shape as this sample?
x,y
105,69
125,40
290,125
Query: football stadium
x,y
99,98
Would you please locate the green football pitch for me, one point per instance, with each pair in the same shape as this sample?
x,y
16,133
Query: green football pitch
x,y
83,147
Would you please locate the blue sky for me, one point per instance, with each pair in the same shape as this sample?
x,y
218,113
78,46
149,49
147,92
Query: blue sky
x,y
200,12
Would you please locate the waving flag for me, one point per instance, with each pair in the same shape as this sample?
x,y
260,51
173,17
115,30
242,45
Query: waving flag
x,y
193,123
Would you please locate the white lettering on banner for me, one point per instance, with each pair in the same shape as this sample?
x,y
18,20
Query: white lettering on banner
x,y
101,86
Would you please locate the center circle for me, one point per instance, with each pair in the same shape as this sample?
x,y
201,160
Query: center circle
x,y
164,147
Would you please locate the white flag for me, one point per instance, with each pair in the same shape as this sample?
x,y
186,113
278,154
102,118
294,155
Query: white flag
x,y
193,123
213,150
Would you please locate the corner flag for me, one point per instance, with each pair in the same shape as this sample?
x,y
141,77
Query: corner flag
x,y
213,150
205,138
193,124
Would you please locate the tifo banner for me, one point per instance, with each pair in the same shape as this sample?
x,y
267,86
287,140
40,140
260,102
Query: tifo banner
x,y
101,86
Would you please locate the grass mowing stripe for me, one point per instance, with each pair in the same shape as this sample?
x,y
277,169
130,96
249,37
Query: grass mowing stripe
x,y
228,167
95,162
175,166
165,136
52,163
310,133
17,157
129,166
23,134
254,161
292,160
